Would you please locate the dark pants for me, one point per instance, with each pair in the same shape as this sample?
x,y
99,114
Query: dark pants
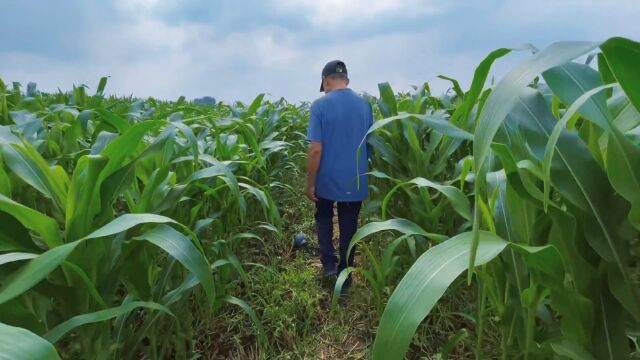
x,y
348,223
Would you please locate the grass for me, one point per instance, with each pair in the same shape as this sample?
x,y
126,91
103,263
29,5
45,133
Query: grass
x,y
289,296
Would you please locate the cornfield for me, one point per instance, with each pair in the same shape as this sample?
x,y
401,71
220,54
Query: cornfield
x,y
122,219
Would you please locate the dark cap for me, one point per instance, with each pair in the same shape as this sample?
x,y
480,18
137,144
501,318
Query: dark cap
x,y
332,67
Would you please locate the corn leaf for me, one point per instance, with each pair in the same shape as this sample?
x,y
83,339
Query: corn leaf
x,y
33,220
423,285
59,331
21,344
183,250
623,57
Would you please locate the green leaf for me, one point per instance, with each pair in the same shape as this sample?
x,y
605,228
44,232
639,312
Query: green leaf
x,y
461,114
456,85
35,270
571,349
84,279
504,95
114,120
262,335
387,101
29,165
604,70
191,139
21,344
458,199
7,137
558,128
82,200
500,102
582,85
59,331
182,249
33,220
623,57
571,82
39,267
101,85
625,116
125,145
609,340
255,104
453,341
438,123
16,256
423,285
574,173
126,222
120,180
5,183
402,225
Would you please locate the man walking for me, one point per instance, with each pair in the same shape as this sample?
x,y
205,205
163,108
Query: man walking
x,y
339,121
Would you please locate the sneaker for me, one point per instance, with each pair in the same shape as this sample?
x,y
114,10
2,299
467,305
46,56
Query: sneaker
x,y
331,274
329,278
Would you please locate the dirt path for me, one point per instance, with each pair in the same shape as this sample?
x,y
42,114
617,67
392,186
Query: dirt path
x,y
288,295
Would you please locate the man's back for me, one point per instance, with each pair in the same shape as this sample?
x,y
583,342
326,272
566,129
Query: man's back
x,y
340,120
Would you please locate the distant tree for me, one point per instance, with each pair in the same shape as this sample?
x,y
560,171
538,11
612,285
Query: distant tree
x,y
31,89
207,100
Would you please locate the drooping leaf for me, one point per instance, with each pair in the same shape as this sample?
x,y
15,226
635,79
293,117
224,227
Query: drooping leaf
x,y
623,56
558,128
33,220
127,221
59,331
21,344
183,250
29,165
402,225
34,271
458,199
16,256
39,267
422,286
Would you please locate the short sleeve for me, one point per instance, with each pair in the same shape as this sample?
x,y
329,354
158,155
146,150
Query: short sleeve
x,y
314,133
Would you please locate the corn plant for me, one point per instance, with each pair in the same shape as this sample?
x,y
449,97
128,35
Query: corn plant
x,y
115,210
553,183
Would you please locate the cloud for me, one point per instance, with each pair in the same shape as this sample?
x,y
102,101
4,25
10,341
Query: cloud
x,y
329,13
234,50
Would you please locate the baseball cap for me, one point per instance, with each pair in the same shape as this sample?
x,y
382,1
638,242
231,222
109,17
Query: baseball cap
x,y
333,67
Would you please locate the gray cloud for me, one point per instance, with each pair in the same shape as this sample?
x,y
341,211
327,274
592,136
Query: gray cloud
x,y
234,50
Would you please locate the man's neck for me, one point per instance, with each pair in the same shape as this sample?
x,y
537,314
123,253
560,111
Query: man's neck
x,y
340,87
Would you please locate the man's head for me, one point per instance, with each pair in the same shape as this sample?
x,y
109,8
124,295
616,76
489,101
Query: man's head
x,y
334,76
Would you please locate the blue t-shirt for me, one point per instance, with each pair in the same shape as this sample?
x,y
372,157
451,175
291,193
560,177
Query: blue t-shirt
x,y
340,120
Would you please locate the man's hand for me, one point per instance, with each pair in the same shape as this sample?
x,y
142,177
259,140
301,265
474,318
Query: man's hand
x,y
311,193
313,162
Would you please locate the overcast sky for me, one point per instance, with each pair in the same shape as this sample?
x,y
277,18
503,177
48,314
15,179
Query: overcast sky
x,y
235,49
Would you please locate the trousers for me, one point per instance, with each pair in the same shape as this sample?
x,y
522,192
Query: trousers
x,y
348,212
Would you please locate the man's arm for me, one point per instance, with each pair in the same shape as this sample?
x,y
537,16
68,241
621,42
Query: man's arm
x,y
313,163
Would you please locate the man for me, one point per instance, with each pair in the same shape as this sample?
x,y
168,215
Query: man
x,y
339,121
